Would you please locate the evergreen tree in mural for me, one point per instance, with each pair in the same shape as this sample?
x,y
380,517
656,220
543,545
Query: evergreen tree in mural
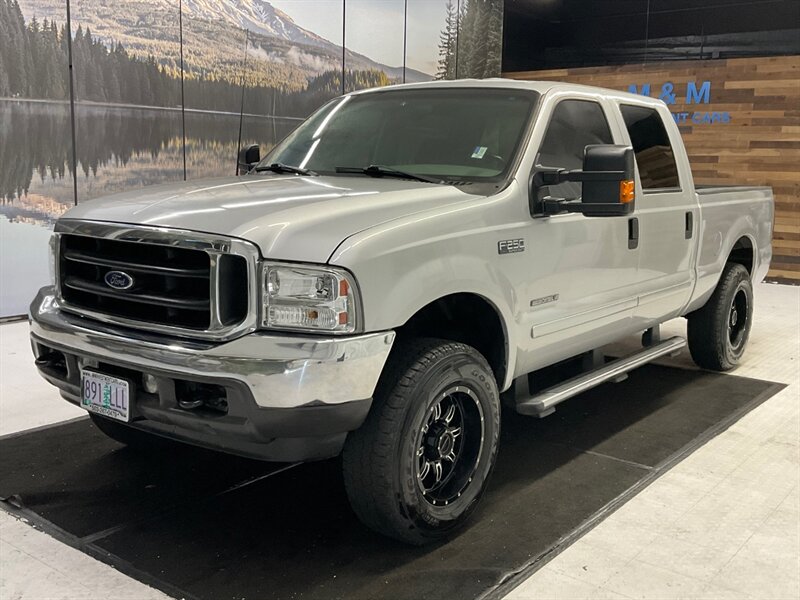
x,y
447,44
470,44
17,45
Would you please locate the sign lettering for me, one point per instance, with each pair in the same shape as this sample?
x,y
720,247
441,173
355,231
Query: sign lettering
x,y
695,93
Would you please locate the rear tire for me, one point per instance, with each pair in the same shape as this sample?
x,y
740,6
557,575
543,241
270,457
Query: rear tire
x,y
718,332
417,467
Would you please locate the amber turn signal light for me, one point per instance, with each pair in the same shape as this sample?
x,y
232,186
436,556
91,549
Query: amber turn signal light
x,y
626,191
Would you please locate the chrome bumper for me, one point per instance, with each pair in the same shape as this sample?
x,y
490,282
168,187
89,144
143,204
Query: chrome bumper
x,y
280,370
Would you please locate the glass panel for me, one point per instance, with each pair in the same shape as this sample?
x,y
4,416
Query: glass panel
x,y
654,157
126,66
214,67
575,33
574,125
292,69
430,40
462,134
36,184
480,38
374,40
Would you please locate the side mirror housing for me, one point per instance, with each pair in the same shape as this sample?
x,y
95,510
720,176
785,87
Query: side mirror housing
x,y
249,156
607,183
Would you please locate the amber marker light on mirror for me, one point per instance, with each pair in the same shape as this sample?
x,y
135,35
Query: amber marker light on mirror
x,y
626,191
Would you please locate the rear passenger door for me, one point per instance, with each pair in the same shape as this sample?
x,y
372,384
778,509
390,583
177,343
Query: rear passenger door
x,y
666,209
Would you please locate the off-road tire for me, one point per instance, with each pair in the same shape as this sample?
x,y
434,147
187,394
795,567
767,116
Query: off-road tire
x,y
381,460
717,335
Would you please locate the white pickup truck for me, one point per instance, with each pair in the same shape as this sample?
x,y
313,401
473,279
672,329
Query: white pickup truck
x,y
401,260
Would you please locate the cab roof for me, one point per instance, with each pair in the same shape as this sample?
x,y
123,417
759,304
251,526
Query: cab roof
x,y
542,87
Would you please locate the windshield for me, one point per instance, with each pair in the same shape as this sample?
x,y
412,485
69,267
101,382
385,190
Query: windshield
x,y
467,134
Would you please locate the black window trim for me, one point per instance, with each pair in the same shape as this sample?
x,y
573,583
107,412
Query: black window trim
x,y
652,191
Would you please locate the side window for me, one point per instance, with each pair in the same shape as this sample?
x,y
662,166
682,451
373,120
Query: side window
x,y
574,125
654,157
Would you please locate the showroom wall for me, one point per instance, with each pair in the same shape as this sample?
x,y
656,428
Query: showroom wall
x,y
729,71
165,90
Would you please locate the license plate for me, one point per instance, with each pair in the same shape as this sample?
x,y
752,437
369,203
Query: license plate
x,y
106,395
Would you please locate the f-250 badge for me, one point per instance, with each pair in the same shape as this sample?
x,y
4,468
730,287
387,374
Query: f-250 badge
x,y
510,246
544,300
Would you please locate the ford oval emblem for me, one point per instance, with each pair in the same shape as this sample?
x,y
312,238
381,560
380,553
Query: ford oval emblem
x,y
118,280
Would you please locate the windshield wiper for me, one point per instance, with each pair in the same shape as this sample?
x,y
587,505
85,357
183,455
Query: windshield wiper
x,y
381,171
281,168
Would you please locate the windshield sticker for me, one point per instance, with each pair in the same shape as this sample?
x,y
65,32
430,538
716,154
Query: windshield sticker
x,y
479,151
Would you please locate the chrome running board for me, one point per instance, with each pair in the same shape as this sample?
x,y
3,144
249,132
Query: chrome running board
x,y
543,403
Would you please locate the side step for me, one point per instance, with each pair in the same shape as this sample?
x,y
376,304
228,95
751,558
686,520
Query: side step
x,y
543,403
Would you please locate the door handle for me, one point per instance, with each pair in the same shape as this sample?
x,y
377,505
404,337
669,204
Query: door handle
x,y
689,225
633,233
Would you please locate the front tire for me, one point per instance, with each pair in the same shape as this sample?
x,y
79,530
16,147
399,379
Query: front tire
x,y
419,464
718,332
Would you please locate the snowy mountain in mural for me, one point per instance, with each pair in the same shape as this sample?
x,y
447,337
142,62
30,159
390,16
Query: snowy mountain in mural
x,y
281,52
256,16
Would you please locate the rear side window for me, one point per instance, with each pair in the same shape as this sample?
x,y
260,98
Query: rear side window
x,y
574,125
654,156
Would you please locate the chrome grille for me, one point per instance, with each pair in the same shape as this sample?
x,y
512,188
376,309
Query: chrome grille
x,y
172,281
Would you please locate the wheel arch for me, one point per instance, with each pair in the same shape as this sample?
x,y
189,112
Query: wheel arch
x,y
469,318
743,252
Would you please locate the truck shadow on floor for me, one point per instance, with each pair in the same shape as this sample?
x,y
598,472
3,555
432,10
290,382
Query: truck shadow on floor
x,y
204,525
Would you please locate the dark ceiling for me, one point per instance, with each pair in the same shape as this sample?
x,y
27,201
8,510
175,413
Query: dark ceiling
x,y
549,34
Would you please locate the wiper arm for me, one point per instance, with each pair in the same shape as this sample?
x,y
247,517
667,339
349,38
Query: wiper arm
x,y
381,171
282,168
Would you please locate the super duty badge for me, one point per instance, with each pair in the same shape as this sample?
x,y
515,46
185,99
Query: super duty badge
x,y
510,246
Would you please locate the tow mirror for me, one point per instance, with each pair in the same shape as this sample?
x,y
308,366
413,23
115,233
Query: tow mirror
x,y
606,180
249,156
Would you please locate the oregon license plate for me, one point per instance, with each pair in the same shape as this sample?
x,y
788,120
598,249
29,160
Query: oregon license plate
x,y
106,395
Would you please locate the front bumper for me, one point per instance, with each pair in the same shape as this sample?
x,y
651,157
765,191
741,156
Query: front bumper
x,y
286,397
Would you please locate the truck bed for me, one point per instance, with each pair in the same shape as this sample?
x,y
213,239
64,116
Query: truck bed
x,y
731,216
703,190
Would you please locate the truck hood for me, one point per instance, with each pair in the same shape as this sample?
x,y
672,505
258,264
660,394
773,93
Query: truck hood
x,y
289,217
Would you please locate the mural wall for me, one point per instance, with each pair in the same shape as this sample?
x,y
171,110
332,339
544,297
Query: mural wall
x,y
727,70
165,90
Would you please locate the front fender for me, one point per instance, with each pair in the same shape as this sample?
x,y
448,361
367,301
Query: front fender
x,y
403,267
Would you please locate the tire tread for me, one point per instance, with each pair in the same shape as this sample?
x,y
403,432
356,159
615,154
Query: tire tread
x,y
370,453
707,326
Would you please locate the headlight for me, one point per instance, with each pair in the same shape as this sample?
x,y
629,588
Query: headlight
x,y
309,298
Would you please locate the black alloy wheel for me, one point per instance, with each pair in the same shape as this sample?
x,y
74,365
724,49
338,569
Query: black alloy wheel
x,y
417,467
449,445
738,319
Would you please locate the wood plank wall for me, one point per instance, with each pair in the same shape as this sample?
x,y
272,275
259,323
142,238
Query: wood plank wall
x,y
759,145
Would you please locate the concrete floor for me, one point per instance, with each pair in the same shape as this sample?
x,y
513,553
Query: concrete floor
x,y
724,523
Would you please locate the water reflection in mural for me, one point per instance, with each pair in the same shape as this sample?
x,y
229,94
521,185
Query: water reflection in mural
x,y
119,149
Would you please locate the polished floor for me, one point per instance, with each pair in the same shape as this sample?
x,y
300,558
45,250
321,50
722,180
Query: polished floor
x,y
723,523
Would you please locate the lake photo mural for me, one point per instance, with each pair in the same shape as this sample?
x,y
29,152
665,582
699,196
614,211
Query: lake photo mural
x,y
167,90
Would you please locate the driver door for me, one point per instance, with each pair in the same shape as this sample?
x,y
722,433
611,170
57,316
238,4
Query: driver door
x,y
583,273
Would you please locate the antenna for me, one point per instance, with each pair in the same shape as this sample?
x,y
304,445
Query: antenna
x,y
183,93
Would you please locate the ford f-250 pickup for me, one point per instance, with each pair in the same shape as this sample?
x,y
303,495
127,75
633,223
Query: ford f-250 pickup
x,y
401,260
